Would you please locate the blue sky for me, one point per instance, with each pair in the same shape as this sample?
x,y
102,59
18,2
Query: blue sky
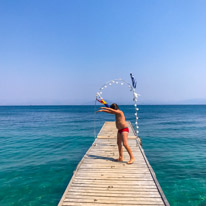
x,y
61,52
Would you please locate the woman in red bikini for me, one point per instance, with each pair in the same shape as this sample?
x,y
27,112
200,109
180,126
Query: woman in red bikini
x,y
123,130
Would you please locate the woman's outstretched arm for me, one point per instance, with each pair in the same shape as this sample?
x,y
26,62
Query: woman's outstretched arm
x,y
109,110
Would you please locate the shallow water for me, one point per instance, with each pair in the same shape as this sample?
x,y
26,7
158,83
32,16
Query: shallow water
x,y
40,146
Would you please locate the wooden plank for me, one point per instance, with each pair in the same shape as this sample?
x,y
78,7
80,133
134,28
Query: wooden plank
x,y
116,171
114,187
101,181
111,175
69,203
115,193
124,195
114,190
113,172
110,162
133,179
114,200
119,186
104,159
105,166
113,182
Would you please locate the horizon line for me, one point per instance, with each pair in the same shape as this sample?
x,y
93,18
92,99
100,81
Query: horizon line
x,y
101,105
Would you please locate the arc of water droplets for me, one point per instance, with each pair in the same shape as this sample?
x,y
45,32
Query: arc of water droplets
x,y
135,96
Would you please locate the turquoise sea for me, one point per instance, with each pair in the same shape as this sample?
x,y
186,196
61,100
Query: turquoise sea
x,y
40,147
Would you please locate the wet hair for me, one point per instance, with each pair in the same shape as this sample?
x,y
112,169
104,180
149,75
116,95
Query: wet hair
x,y
114,106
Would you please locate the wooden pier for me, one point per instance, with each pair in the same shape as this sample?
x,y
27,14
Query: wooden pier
x,y
101,181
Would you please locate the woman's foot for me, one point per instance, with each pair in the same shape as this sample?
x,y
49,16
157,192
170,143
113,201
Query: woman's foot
x,y
131,161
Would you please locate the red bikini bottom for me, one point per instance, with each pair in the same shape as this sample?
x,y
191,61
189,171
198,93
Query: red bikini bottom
x,y
123,130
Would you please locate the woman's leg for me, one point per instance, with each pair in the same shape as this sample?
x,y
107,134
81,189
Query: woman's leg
x,y
125,143
119,143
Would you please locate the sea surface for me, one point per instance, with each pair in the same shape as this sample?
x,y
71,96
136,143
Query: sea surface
x,y
40,147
